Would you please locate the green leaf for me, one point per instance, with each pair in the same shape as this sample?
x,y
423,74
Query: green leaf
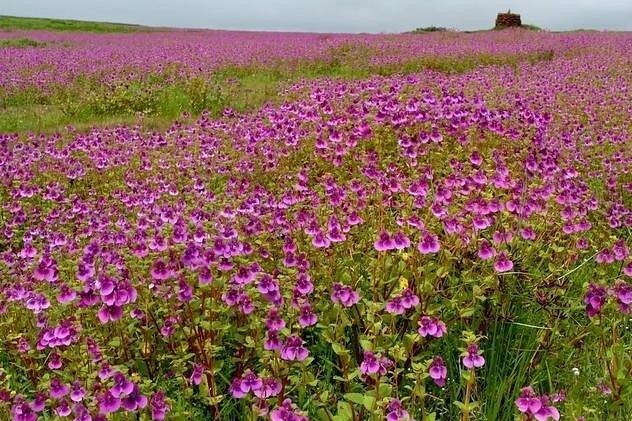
x,y
339,349
467,312
357,398
322,415
369,402
345,412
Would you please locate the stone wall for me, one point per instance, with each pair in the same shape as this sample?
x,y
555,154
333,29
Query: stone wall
x,y
505,20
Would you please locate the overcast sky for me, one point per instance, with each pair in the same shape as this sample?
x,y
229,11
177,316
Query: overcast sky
x,y
333,15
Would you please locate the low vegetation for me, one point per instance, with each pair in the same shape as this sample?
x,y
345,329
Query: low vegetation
x,y
9,23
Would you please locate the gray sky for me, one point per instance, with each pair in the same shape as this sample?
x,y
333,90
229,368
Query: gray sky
x,y
333,15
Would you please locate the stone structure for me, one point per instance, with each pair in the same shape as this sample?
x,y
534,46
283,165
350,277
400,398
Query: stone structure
x,y
506,20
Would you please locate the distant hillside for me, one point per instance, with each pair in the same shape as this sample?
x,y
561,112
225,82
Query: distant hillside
x,y
428,29
14,23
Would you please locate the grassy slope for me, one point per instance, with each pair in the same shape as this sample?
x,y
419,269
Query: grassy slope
x,y
22,23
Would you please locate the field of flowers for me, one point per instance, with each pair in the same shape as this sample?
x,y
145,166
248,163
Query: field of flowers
x,y
401,227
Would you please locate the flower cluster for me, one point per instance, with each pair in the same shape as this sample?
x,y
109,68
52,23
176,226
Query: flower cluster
x,y
325,254
536,407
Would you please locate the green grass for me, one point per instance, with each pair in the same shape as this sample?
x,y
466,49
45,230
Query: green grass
x,y
24,23
20,43
87,102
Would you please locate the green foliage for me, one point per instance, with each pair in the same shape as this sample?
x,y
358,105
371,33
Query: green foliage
x,y
531,27
20,43
426,29
28,23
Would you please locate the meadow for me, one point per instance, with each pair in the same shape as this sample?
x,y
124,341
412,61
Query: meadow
x,y
229,225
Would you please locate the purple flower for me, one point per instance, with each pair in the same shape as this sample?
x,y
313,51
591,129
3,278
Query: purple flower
x,y
109,314
395,306
429,244
77,392
39,403
270,387
63,409
287,411
605,256
272,341
122,387
55,362
438,371
431,326
594,299
293,349
537,407
108,403
473,358
274,322
401,241
105,371
370,364
21,410
627,269
396,411
486,251
528,402
58,389
205,276
344,295
502,263
304,285
81,413
160,271
620,250
373,364
384,242
196,374
134,400
399,304
159,407
250,382
307,317
236,390
409,299
623,293
320,240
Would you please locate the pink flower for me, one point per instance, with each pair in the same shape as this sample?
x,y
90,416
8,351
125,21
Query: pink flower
x,y
594,299
429,244
431,326
344,295
307,317
438,371
623,293
535,406
502,263
396,411
293,349
374,364
401,241
627,269
473,358
486,251
287,411
384,242
270,387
